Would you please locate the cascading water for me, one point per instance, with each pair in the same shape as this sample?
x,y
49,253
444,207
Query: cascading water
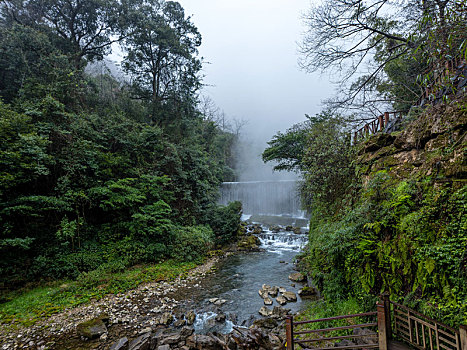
x,y
264,197
238,279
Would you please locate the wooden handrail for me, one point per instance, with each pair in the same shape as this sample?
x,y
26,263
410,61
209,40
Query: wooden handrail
x,y
373,313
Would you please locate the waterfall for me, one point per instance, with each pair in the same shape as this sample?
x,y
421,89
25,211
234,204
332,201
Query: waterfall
x,y
264,197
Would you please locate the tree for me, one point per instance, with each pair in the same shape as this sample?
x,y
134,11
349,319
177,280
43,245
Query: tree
x,y
85,26
350,35
161,51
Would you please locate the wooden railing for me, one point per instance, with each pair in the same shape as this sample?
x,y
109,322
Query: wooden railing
x,y
377,125
393,321
423,332
322,341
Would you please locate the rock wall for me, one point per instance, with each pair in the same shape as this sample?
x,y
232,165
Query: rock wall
x,y
433,145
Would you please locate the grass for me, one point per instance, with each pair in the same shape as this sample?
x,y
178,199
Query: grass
x,y
29,306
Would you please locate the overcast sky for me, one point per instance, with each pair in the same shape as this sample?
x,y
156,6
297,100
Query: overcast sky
x,y
251,47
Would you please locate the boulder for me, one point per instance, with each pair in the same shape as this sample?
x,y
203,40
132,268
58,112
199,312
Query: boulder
x,y
289,228
91,329
273,291
163,347
282,290
266,322
280,311
264,311
186,331
290,296
281,300
204,342
220,302
249,243
190,317
221,318
297,230
121,344
179,323
165,319
266,287
263,293
297,277
140,343
268,301
307,292
171,339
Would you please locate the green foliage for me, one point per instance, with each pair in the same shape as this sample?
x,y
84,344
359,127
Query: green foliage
x,y
407,238
93,181
225,222
191,243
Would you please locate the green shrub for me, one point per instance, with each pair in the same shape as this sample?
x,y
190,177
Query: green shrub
x,y
191,243
225,222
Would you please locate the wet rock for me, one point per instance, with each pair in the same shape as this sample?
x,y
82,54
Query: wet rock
x,y
171,339
186,331
220,302
344,342
213,300
273,291
297,277
266,322
165,319
307,292
264,311
190,317
249,243
204,342
220,318
297,230
282,290
290,296
280,311
121,344
268,301
179,323
263,293
91,329
140,343
163,347
275,229
281,300
289,228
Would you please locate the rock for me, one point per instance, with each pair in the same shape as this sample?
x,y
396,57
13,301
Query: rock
x,y
266,287
371,336
163,347
297,277
289,228
281,262
263,293
249,243
173,338
275,229
344,342
280,311
186,331
179,323
220,302
297,230
273,291
281,300
91,329
140,343
121,344
190,317
213,300
145,330
220,317
165,319
257,230
266,322
264,311
282,290
290,296
307,292
204,342
268,301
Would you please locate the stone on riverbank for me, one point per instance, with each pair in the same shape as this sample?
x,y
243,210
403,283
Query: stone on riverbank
x,y
140,343
121,344
249,243
307,292
297,277
268,301
290,296
281,300
264,311
91,329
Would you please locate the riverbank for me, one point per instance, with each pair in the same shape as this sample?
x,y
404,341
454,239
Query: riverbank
x,y
128,311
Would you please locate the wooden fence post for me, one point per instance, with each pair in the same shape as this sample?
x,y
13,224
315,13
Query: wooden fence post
x,y
382,329
463,336
387,314
289,332
381,123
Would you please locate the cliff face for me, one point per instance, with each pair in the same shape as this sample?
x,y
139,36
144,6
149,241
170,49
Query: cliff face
x,y
433,145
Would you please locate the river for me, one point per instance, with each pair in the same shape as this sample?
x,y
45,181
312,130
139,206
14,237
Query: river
x,y
238,279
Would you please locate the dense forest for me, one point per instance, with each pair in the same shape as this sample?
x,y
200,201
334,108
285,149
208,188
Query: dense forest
x,y
98,173
389,212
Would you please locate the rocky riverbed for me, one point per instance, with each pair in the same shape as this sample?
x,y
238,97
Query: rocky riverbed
x,y
163,315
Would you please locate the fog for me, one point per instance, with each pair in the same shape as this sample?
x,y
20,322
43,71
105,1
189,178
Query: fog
x,y
252,74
